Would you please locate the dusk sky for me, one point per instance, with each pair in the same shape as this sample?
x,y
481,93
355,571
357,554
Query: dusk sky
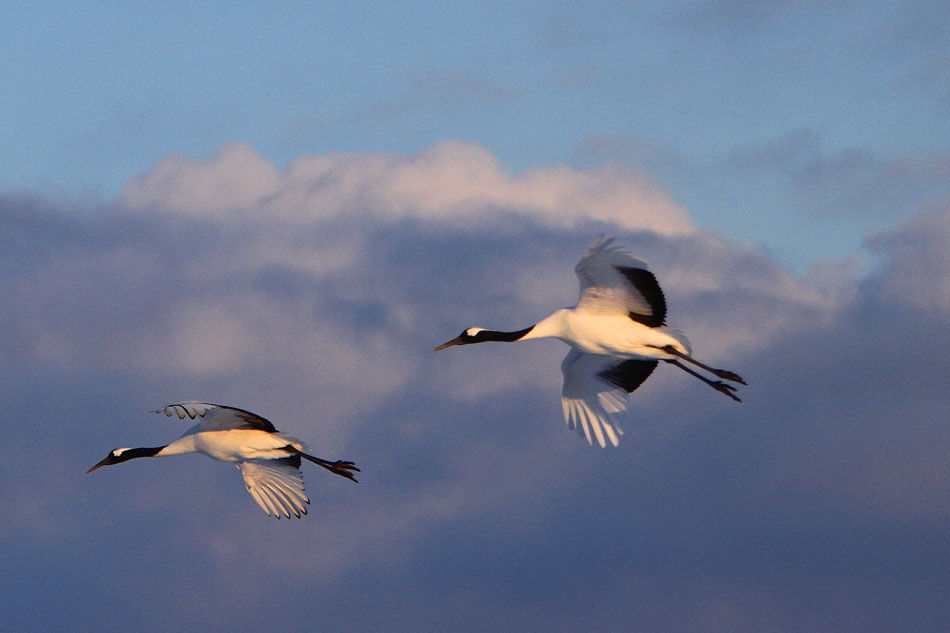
x,y
286,209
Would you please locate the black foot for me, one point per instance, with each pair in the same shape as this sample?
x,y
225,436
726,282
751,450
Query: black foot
x,y
343,469
726,389
728,375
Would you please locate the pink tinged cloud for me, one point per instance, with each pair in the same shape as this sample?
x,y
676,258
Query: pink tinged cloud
x,y
455,182
236,178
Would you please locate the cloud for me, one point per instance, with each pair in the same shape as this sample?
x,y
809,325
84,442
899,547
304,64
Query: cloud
x,y
851,179
313,295
801,154
918,265
453,182
238,178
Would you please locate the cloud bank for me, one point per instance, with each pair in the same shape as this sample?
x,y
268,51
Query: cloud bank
x,y
313,295
453,182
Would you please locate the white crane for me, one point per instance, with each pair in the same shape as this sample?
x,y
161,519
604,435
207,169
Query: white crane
x,y
268,460
617,333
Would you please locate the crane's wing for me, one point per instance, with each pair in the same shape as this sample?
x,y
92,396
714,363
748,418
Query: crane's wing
x,y
594,395
216,417
613,281
276,485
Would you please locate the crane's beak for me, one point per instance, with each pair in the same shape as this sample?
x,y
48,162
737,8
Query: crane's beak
x,y
104,462
455,341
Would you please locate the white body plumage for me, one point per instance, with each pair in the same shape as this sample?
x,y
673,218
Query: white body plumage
x,y
609,334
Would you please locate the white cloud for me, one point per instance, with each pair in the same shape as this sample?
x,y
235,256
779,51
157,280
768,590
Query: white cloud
x,y
454,182
236,179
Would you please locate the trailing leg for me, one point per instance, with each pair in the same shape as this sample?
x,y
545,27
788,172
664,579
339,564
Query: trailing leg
x,y
339,467
715,384
720,373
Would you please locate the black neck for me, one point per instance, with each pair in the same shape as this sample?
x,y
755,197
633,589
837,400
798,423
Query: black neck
x,y
502,337
132,453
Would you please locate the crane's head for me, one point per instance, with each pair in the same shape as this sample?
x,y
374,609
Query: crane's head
x,y
114,457
465,338
119,455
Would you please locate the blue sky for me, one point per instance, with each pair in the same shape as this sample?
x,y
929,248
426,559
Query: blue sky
x,y
286,209
769,99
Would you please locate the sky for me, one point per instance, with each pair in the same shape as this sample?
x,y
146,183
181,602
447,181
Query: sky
x,y
286,209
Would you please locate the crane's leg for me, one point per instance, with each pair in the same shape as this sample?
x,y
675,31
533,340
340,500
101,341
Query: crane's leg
x,y
339,467
721,373
715,384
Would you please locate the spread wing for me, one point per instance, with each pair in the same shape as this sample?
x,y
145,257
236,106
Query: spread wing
x,y
216,417
276,485
613,281
594,395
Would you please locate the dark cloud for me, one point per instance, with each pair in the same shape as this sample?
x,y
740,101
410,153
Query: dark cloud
x,y
817,504
849,180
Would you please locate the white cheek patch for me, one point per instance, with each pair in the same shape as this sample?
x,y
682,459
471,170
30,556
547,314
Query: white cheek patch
x,y
119,451
472,331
